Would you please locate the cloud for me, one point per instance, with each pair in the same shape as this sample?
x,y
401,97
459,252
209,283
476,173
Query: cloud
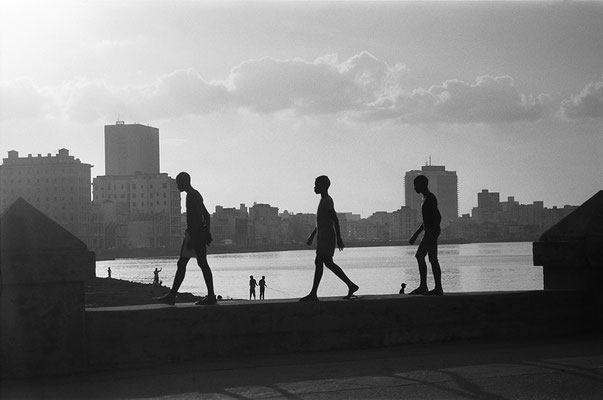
x,y
490,100
108,44
317,87
588,104
20,98
180,93
361,88
90,101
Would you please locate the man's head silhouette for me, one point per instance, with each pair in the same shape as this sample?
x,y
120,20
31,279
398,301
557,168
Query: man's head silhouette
x,y
183,181
421,182
322,184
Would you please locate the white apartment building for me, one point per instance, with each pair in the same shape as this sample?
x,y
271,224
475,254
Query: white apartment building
x,y
58,185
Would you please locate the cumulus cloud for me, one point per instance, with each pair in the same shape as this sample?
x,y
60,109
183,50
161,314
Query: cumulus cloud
x,y
180,93
20,99
587,104
362,87
317,87
489,100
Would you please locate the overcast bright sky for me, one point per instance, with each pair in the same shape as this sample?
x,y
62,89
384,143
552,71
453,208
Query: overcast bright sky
x,y
256,99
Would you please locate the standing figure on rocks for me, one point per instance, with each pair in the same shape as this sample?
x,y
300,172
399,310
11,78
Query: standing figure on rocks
x,y
252,285
328,236
196,239
156,281
429,244
262,285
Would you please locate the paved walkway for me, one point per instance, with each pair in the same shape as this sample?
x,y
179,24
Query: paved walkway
x,y
570,368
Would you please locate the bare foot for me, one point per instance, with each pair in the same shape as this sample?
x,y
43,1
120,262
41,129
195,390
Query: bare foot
x,y
309,297
169,299
419,290
351,290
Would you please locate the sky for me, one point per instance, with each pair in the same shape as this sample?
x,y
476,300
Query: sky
x,y
256,99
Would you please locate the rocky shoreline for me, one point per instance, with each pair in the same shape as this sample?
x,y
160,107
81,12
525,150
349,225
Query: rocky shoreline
x,y
109,292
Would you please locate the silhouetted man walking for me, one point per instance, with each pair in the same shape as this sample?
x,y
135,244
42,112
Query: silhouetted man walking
x,y
328,236
429,244
196,238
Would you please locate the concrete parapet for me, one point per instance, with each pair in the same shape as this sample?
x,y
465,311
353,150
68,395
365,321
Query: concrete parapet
x,y
42,270
120,337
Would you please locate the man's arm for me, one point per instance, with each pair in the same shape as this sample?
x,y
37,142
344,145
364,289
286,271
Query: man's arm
x,y
207,219
413,238
340,244
311,237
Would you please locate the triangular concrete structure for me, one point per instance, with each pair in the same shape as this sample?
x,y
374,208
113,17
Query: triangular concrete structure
x,y
43,269
25,228
584,222
571,252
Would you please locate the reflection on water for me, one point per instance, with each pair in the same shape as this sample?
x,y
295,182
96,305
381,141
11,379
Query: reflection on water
x,y
377,270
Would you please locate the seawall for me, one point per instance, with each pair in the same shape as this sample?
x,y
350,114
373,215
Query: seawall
x,y
122,337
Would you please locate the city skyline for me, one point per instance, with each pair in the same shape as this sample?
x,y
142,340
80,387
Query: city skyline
x,y
255,100
17,156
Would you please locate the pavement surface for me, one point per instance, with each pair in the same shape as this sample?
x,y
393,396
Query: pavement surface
x,y
563,368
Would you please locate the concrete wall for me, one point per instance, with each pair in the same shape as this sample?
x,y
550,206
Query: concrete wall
x,y
42,272
130,336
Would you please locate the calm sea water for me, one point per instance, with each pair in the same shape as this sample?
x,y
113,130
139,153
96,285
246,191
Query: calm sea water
x,y
377,270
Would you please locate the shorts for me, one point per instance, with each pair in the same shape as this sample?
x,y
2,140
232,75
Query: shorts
x,y
326,245
189,253
429,245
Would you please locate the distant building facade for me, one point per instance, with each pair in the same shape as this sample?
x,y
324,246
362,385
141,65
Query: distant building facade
x,y
131,149
488,206
265,225
139,211
229,226
58,185
494,220
442,183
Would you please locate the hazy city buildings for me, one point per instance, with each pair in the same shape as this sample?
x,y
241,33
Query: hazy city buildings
x,y
488,206
265,225
494,220
136,207
139,211
58,185
442,183
229,226
140,206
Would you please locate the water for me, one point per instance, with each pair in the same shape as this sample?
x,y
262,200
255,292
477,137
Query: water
x,y
377,270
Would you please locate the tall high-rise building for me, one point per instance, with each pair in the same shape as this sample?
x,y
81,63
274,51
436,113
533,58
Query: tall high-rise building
x,y
140,205
131,149
442,183
59,186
